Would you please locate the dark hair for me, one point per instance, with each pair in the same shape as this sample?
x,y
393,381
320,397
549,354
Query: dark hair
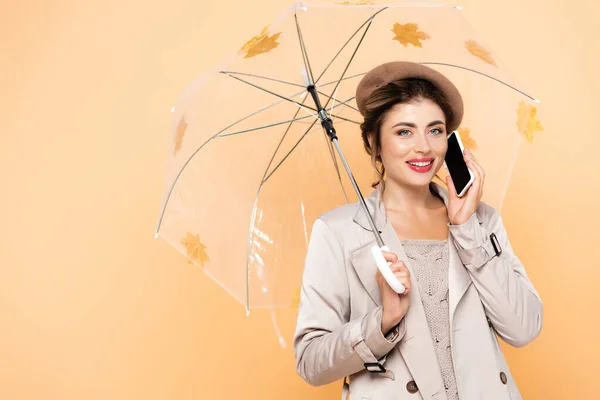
x,y
382,100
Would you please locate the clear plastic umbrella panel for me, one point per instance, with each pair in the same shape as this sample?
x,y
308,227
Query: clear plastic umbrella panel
x,y
250,166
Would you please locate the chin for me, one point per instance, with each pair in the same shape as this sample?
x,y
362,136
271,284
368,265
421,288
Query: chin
x,y
412,181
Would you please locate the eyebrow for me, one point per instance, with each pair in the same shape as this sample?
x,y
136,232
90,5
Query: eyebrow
x,y
432,123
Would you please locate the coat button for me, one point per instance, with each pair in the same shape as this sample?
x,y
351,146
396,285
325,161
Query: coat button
x,y
412,387
503,378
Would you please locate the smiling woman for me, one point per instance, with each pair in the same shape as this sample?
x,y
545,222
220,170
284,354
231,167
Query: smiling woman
x,y
383,120
463,283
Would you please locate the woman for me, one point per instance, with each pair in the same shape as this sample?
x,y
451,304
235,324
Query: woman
x,y
464,284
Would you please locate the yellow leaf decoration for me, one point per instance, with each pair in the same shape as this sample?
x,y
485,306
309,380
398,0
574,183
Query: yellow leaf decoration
x,y
196,250
181,128
358,3
467,140
527,123
296,299
479,51
409,34
261,43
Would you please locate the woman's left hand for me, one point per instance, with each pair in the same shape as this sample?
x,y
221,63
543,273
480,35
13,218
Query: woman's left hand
x,y
460,209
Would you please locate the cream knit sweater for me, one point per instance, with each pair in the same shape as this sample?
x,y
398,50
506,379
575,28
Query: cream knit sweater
x,y
429,260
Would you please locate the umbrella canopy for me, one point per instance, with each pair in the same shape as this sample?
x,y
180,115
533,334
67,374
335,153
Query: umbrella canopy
x,y
250,168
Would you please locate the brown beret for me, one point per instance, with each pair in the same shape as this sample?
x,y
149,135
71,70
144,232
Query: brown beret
x,y
397,70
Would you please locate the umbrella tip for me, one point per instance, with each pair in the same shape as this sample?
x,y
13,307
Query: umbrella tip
x,y
459,8
172,108
156,235
537,101
247,312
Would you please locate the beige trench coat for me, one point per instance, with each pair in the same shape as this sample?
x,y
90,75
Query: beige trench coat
x,y
339,317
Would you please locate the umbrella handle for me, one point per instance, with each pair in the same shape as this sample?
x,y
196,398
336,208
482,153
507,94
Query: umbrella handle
x,y
384,268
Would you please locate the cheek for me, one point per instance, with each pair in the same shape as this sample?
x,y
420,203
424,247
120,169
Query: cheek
x,y
394,147
441,146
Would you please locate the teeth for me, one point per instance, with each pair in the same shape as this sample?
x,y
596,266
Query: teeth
x,y
421,164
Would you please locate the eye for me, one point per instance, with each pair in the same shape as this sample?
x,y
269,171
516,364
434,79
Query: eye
x,y
405,130
437,129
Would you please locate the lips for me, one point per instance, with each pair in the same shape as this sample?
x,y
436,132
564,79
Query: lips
x,y
420,165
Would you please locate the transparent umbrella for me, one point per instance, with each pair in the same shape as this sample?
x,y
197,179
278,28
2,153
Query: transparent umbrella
x,y
251,166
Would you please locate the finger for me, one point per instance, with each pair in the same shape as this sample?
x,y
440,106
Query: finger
x,y
401,267
391,257
407,285
475,165
398,266
402,274
406,282
480,175
480,170
470,156
473,168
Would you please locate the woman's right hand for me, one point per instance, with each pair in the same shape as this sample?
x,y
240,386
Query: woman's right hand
x,y
395,306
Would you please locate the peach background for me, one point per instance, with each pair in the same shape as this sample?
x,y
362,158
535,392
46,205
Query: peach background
x,y
92,307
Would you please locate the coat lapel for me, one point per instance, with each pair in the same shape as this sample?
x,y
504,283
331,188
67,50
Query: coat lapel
x,y
458,276
362,258
416,346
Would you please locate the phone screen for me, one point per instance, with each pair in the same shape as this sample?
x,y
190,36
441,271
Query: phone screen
x,y
456,164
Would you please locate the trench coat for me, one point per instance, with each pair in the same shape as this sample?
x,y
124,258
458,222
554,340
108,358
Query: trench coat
x,y
338,332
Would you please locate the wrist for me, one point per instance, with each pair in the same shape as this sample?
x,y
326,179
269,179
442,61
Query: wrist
x,y
460,221
388,323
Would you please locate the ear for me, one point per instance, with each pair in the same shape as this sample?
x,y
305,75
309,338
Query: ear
x,y
370,139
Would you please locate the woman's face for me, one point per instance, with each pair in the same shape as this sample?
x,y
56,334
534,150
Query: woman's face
x,y
413,142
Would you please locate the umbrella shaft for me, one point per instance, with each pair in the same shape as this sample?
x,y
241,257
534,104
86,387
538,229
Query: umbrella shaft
x,y
327,125
326,122
358,193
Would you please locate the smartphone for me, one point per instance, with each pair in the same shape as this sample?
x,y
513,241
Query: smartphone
x,y
461,175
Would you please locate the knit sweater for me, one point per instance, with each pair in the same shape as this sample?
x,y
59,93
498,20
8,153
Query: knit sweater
x,y
429,260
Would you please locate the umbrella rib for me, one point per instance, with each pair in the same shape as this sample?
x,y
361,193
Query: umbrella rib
x,y
348,41
263,77
305,107
304,52
200,148
345,103
370,21
481,73
335,165
290,152
220,134
337,116
345,79
223,130
254,208
280,142
264,126
344,118
296,145
333,104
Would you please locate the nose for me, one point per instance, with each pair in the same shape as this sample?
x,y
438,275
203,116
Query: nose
x,y
422,144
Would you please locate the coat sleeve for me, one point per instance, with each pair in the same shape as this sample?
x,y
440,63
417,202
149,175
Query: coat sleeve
x,y
511,302
327,344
